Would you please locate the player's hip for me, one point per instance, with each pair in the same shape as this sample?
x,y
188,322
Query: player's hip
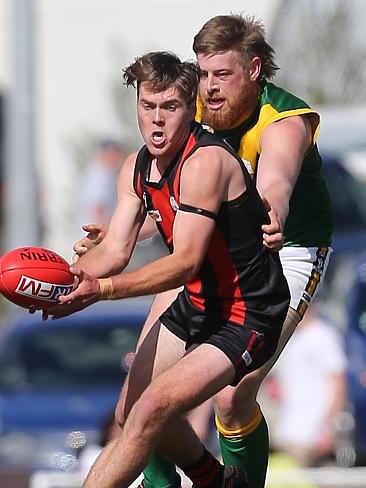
x,y
248,344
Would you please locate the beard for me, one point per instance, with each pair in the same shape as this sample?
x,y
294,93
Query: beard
x,y
232,113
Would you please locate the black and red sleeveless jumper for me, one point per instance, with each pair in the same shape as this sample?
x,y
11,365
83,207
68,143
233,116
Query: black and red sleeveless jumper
x,y
240,280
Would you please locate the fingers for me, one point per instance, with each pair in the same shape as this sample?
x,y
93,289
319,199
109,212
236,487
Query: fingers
x,y
274,242
32,309
56,311
93,238
81,247
92,228
271,228
94,231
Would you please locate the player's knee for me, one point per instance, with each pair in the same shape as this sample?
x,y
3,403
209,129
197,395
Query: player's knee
x,y
149,413
235,406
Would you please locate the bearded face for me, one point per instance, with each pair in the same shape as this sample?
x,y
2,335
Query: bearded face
x,y
228,116
228,91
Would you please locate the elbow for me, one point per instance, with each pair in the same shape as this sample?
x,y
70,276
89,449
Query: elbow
x,y
119,262
185,265
191,269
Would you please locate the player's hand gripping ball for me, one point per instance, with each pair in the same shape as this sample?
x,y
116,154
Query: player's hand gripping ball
x,y
34,277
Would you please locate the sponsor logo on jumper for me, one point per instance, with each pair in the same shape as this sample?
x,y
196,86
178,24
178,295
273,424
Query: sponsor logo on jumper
x,y
248,166
174,204
41,289
208,128
155,214
144,198
247,358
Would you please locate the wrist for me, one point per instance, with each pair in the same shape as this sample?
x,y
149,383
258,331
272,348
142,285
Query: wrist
x,y
105,288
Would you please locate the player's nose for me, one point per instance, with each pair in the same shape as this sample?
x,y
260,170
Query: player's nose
x,y
158,118
211,84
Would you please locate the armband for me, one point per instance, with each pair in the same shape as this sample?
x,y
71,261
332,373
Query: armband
x,y
197,210
106,288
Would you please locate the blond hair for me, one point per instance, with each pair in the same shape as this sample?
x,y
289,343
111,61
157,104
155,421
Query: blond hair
x,y
244,34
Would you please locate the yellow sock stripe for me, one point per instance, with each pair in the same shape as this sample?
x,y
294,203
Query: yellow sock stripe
x,y
242,431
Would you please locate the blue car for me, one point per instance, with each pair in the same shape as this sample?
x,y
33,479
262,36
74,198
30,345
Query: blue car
x,y
355,343
349,203
62,376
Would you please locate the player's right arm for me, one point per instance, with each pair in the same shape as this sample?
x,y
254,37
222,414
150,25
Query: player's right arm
x,y
113,253
207,179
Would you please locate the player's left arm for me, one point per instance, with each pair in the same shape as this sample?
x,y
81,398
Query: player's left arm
x,y
203,185
283,145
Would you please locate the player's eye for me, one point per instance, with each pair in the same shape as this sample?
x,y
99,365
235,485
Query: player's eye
x,y
223,75
147,106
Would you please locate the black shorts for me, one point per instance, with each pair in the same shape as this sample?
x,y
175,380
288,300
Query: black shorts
x,y
247,348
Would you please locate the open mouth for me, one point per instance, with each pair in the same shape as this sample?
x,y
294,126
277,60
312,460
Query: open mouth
x,y
215,103
157,138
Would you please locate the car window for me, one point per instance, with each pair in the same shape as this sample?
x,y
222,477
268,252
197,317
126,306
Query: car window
x,y
348,196
69,356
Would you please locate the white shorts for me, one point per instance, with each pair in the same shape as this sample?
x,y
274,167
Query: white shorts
x,y
304,269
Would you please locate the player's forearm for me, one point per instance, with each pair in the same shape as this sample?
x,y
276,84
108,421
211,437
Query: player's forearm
x,y
160,275
278,195
102,261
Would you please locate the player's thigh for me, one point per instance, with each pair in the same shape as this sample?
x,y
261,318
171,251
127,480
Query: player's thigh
x,y
304,269
159,351
161,302
192,380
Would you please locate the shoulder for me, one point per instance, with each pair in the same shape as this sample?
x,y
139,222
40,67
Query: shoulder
x,y
294,122
128,164
127,169
280,99
207,158
131,159
278,104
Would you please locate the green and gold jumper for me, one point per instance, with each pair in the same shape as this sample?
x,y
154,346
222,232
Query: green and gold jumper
x,y
309,224
310,219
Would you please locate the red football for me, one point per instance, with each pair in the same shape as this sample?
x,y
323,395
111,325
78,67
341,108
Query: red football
x,y
34,276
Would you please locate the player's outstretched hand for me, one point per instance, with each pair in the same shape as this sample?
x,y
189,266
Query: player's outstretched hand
x,y
272,232
86,292
95,235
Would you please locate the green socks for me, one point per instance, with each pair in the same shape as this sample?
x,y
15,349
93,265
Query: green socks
x,y
161,473
247,448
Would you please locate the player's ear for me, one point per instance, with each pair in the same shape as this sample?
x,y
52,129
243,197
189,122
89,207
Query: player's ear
x,y
255,68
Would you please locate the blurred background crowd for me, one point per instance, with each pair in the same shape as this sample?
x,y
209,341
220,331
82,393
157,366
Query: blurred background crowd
x,y
66,124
